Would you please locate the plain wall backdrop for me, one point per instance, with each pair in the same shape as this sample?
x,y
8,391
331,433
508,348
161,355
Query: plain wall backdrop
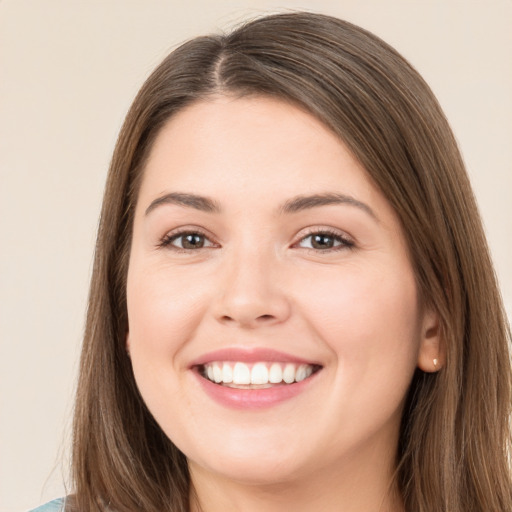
x,y
68,73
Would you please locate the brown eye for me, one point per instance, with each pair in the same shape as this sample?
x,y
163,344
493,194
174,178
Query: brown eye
x,y
322,241
192,241
187,241
325,241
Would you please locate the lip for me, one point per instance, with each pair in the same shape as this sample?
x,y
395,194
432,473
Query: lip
x,y
250,355
250,399
253,398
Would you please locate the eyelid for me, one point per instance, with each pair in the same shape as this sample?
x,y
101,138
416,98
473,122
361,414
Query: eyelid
x,y
167,239
347,241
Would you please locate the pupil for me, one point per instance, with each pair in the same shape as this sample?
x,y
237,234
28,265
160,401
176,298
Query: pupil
x,y
193,241
322,241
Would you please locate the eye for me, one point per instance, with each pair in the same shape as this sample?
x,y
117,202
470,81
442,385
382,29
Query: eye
x,y
186,241
325,241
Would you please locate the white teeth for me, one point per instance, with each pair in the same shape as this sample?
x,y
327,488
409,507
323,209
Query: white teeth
x,y
257,374
289,373
227,373
217,373
275,375
302,372
241,374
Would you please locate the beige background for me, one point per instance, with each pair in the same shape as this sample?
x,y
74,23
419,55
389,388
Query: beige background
x,y
68,72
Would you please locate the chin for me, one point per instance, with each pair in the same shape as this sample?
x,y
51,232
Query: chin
x,y
255,457
253,470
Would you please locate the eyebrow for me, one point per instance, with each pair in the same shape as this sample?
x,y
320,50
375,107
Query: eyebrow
x,y
205,204
301,203
293,205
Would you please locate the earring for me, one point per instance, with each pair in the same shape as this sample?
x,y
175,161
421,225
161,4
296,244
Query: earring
x,y
435,363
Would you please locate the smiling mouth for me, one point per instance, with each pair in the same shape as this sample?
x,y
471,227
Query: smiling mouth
x,y
260,375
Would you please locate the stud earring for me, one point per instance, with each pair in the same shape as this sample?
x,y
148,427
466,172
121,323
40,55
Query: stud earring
x,y
435,363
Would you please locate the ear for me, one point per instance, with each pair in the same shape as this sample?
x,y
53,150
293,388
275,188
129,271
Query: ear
x,y
432,352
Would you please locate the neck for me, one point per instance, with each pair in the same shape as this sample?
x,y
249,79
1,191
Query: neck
x,y
349,489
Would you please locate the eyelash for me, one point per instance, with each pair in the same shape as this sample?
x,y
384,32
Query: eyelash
x,y
168,239
345,242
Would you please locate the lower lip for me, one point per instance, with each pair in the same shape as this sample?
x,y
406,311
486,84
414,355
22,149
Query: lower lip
x,y
253,398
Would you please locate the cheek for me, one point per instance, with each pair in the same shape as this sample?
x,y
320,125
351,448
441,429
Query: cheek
x,y
369,317
162,311
369,320
361,298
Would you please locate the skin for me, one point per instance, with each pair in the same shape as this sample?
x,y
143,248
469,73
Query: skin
x,y
260,282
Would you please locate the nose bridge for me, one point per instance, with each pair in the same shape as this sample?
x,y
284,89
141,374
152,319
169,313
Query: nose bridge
x,y
250,292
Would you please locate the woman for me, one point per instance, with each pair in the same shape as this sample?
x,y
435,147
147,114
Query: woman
x,y
292,301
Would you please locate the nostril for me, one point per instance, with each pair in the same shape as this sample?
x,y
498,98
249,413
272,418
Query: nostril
x,y
259,319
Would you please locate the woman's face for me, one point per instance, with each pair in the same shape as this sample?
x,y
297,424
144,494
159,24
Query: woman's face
x,y
274,319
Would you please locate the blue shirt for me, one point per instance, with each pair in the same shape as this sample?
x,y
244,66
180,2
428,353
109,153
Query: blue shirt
x,y
52,506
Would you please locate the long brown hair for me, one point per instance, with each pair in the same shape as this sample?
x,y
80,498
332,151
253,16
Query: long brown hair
x,y
454,440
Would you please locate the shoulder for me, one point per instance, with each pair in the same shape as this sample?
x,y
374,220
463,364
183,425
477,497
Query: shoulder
x,y
52,506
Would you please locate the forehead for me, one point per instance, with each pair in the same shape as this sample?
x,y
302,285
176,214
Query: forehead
x,y
257,147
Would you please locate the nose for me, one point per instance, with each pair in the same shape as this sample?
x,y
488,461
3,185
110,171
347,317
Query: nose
x,y
251,292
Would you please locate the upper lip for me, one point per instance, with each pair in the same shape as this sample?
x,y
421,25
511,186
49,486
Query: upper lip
x,y
249,355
